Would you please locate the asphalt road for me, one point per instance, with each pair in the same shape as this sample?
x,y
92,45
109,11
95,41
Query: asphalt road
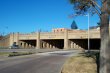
x,y
39,63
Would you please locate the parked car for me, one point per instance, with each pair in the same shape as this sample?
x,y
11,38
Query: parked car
x,y
14,47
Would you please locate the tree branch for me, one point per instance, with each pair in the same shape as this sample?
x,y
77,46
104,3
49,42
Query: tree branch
x,y
97,11
95,3
103,1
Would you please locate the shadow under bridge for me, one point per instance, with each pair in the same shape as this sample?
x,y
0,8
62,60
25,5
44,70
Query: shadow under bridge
x,y
94,44
52,43
27,43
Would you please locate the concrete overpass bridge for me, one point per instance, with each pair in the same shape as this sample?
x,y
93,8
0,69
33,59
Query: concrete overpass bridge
x,y
74,39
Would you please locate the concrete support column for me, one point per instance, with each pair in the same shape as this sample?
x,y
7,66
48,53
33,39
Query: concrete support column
x,y
11,39
17,38
32,46
50,46
71,45
74,45
29,45
53,46
38,41
20,44
43,45
66,39
47,45
26,45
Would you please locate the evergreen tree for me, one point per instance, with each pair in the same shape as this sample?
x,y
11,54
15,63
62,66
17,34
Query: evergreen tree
x,y
74,25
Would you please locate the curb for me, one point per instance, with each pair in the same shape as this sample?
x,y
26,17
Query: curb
x,y
64,64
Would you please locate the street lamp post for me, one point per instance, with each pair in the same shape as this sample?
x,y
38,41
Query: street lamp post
x,y
88,33
88,29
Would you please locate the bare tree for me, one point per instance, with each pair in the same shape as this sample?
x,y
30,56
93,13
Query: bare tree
x,y
1,37
102,9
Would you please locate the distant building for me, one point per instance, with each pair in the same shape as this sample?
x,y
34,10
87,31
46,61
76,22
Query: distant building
x,y
59,29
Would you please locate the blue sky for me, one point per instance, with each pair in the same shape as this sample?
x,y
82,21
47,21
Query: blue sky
x,y
27,16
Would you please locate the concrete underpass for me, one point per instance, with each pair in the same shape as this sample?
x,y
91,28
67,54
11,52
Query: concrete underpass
x,y
53,43
95,44
83,43
59,43
27,43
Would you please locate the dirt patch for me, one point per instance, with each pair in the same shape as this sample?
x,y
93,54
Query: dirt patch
x,y
80,64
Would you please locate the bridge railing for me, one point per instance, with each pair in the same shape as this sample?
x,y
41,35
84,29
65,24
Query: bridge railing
x,y
27,36
52,35
84,35
60,35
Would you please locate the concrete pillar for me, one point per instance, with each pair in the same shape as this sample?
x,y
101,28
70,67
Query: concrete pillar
x,y
20,45
17,38
11,39
71,45
26,45
66,39
50,46
53,46
29,45
47,45
43,45
32,46
74,45
38,41
23,45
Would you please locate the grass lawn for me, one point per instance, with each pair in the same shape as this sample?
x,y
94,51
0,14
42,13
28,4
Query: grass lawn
x,y
11,54
4,53
80,64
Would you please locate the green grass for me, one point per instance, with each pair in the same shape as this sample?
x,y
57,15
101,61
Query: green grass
x,y
19,53
11,54
4,53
